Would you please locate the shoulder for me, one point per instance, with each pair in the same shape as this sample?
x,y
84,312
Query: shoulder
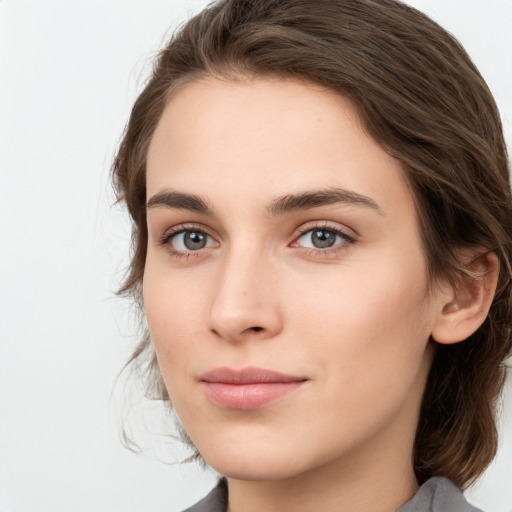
x,y
438,495
215,501
435,495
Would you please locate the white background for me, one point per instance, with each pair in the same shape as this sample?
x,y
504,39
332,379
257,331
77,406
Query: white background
x,y
69,73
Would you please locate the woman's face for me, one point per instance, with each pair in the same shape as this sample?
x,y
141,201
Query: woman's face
x,y
285,285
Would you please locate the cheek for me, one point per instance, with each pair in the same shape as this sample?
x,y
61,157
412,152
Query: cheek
x,y
367,336
173,314
368,325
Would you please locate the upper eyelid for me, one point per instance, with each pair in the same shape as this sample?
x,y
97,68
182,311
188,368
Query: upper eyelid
x,y
328,226
181,228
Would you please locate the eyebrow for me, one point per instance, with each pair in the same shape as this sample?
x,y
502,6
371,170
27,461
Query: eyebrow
x,y
315,198
279,206
180,201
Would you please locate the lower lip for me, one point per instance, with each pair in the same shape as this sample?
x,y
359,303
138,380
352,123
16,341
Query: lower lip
x,y
248,396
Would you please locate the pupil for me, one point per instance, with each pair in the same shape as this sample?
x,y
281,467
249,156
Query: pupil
x,y
322,239
194,240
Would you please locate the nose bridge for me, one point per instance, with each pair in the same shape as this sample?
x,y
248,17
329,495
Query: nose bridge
x,y
245,301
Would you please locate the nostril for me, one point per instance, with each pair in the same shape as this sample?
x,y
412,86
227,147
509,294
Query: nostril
x,y
257,329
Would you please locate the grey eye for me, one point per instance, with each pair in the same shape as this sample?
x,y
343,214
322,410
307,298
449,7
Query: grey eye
x,y
322,238
191,241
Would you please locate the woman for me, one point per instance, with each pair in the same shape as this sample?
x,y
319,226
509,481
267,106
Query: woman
x,y
322,242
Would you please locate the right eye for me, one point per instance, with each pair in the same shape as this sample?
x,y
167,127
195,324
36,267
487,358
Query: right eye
x,y
189,240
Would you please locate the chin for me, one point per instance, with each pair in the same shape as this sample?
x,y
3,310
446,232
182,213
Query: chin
x,y
248,468
258,460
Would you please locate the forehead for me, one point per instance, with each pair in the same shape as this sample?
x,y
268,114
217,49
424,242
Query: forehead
x,y
238,142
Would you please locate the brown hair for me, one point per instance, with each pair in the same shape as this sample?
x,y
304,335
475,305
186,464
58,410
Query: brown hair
x,y
421,97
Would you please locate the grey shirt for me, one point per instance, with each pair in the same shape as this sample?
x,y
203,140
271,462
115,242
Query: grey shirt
x,y
436,495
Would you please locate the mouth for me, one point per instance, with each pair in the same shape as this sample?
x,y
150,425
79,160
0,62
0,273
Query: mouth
x,y
247,388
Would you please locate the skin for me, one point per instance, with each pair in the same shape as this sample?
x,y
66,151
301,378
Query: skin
x,y
354,319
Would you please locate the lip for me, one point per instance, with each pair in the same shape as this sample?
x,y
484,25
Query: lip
x,y
247,388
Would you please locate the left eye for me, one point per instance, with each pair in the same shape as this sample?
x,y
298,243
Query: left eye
x,y
191,240
322,238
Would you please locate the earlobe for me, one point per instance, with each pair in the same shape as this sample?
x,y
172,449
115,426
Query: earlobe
x,y
469,301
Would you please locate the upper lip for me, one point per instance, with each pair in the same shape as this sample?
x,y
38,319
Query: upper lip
x,y
248,375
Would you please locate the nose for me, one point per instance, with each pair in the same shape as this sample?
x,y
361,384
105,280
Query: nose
x,y
246,299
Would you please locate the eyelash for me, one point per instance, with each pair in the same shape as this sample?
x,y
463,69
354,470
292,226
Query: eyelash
x,y
347,239
177,230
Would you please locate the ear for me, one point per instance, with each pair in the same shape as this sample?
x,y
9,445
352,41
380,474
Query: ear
x,y
464,306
